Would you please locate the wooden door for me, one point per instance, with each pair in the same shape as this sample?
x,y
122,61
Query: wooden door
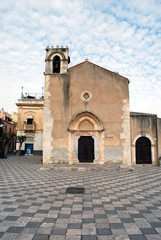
x,y
86,149
143,151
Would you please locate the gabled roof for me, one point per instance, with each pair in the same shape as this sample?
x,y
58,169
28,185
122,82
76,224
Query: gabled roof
x,y
87,62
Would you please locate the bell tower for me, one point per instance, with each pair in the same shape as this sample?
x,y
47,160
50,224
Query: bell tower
x,y
56,97
57,60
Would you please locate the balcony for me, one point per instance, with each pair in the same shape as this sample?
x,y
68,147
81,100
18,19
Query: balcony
x,y
32,96
29,127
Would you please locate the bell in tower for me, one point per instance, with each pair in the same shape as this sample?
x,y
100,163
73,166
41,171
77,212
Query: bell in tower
x,y
56,64
57,60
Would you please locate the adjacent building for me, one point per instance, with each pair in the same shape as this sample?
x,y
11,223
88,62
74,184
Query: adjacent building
x,y
7,125
30,122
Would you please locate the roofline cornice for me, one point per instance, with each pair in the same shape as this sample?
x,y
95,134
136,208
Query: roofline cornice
x,y
101,68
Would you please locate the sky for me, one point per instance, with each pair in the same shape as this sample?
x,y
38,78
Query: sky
x,y
123,36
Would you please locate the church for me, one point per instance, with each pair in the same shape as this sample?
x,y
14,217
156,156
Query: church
x,y
86,116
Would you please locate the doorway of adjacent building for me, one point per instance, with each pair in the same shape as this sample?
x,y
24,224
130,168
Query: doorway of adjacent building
x,y
143,151
28,148
86,149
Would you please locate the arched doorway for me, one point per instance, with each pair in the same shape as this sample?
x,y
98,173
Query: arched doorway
x,y
86,133
86,149
143,151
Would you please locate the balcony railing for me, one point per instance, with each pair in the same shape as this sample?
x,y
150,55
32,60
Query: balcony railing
x,y
32,96
29,127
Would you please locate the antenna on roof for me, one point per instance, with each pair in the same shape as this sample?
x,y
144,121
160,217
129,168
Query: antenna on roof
x,y
42,91
22,92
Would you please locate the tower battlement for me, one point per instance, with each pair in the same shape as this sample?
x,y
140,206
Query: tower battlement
x,y
57,60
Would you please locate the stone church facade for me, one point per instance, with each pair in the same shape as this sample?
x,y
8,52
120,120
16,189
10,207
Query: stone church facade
x,y
86,116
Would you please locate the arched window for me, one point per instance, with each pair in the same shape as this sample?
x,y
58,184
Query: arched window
x,y
30,119
56,64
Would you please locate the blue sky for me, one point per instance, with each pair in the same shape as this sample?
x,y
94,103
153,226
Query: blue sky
x,y
123,36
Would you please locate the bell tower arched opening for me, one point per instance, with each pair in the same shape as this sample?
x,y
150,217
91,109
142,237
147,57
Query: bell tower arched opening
x,y
57,60
56,64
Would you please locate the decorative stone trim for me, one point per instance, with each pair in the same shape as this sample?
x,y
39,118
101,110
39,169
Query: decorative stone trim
x,y
51,55
125,135
80,117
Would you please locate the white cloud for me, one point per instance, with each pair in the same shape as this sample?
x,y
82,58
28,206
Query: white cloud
x,y
122,36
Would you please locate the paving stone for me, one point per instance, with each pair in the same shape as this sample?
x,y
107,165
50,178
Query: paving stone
x,y
27,230
73,237
100,216
49,220
116,225
9,236
136,215
57,237
88,237
122,237
137,237
88,220
15,229
74,232
11,218
41,237
105,237
148,231
59,231
25,237
1,233
9,209
127,220
104,231
42,230
26,214
75,226
122,203
42,211
153,237
156,224
33,224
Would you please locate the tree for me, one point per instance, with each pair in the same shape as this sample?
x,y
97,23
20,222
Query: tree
x,y
7,137
21,139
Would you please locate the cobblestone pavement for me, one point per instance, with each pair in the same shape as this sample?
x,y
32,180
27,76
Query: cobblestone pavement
x,y
116,204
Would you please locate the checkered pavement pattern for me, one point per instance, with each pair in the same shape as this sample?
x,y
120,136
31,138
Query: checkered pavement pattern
x,y
117,204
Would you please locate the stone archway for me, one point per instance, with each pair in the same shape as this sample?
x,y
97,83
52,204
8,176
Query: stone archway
x,y
152,148
88,126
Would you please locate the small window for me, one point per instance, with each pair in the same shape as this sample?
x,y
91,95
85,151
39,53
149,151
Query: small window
x,y
30,121
56,64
